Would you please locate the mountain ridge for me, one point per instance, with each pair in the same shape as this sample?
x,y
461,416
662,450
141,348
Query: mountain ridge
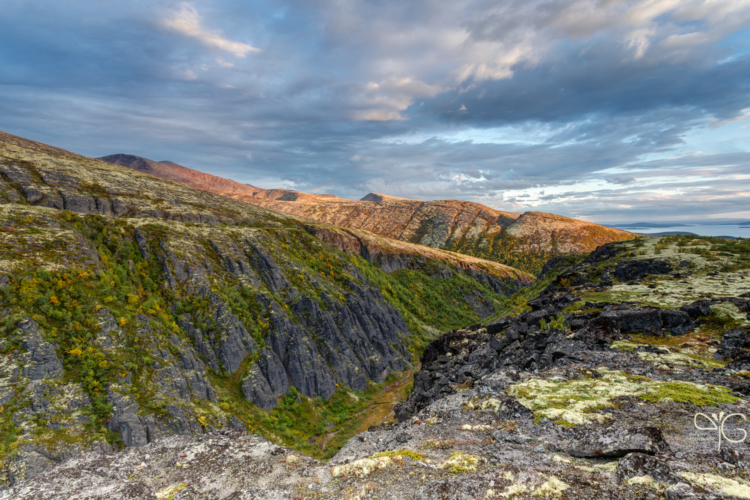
x,y
461,226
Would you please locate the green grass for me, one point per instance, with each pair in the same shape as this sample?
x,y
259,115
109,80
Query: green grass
x,y
302,424
684,392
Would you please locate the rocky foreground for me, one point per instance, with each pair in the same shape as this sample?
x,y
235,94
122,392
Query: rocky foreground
x,y
596,390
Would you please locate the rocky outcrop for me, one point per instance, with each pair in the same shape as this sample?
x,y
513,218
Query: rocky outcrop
x,y
630,270
631,318
615,442
301,359
125,419
41,360
265,381
733,344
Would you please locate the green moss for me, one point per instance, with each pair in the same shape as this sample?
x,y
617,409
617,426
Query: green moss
x,y
685,392
624,345
580,401
398,454
461,462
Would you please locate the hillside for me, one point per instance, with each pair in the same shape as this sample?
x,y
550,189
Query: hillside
x,y
525,241
133,308
625,377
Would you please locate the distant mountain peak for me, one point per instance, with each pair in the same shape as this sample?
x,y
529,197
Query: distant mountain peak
x,y
378,198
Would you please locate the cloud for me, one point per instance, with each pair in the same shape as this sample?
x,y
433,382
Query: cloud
x,y
493,102
384,100
621,179
187,22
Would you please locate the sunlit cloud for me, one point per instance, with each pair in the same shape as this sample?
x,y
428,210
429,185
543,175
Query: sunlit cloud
x,y
187,22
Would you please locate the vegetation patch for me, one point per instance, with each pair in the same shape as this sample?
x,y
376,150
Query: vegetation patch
x,y
398,455
577,402
461,462
505,249
170,492
732,487
361,467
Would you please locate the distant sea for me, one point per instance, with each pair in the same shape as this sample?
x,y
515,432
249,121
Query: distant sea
x,y
732,230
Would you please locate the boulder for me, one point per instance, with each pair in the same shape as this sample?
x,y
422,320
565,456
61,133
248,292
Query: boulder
x,y
632,270
640,464
615,441
698,308
733,344
636,319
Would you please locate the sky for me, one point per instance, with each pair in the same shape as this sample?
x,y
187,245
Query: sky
x,y
605,110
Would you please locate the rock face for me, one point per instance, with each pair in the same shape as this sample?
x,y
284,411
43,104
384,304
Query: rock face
x,y
265,381
41,359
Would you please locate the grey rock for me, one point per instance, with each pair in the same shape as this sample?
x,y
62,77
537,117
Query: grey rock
x,y
255,388
79,202
615,441
640,464
111,335
686,491
41,359
332,345
28,463
735,457
269,270
201,346
273,371
125,419
636,319
733,344
302,362
230,340
630,270
237,424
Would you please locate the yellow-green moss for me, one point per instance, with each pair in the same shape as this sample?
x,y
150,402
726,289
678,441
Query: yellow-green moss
x,y
576,402
398,455
461,462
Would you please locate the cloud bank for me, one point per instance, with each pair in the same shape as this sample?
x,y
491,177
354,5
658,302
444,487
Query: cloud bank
x,y
601,109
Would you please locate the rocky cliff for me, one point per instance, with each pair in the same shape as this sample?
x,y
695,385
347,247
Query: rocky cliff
x,y
134,308
525,241
627,377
